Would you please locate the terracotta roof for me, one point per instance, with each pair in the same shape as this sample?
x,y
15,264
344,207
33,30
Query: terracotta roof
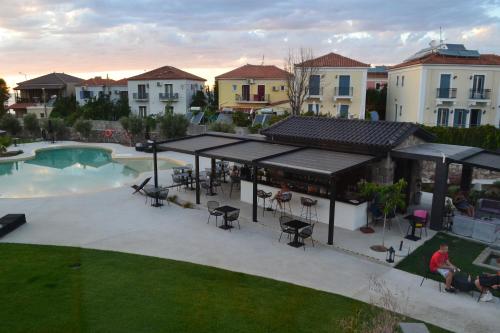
x,y
332,60
17,106
166,73
439,59
52,80
378,75
99,81
255,72
340,134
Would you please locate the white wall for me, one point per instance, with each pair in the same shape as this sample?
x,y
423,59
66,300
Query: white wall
x,y
185,88
114,90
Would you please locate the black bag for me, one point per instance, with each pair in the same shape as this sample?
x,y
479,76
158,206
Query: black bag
x,y
461,282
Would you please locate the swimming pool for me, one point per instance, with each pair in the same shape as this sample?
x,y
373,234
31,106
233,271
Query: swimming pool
x,y
62,171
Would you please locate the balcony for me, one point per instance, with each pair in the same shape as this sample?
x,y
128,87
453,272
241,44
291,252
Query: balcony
x,y
446,93
252,98
169,97
140,96
318,94
343,93
476,94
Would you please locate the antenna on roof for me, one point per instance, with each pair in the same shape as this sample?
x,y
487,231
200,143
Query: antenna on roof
x,y
262,63
441,41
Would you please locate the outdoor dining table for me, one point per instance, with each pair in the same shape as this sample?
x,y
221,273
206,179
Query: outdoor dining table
x,y
412,219
225,210
296,224
154,193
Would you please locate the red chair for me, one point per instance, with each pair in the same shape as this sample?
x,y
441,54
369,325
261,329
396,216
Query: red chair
x,y
422,220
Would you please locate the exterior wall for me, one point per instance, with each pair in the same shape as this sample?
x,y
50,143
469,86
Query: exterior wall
x,y
329,80
420,102
114,92
39,111
227,93
184,88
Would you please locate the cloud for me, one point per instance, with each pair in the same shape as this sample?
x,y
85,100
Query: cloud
x,y
39,36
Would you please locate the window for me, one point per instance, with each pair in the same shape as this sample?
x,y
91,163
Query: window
x,y
282,88
444,90
460,118
396,114
344,111
235,88
169,109
475,117
313,108
344,86
42,115
169,90
400,110
85,94
314,82
377,86
141,89
402,81
443,115
142,112
397,80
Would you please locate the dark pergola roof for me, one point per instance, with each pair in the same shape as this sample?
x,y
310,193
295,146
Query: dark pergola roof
x,y
484,160
190,145
435,151
318,161
248,151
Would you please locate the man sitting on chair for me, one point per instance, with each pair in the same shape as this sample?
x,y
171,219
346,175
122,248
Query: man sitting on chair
x,y
485,282
441,264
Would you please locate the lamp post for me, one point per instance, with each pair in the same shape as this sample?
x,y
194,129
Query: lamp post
x,y
44,103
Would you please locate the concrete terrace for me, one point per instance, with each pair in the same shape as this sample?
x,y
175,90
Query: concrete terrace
x,y
116,220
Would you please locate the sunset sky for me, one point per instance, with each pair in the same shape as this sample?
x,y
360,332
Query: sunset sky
x,y
123,37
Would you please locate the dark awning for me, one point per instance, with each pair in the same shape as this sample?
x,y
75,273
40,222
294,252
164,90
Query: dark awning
x,y
318,161
435,151
248,151
191,145
485,160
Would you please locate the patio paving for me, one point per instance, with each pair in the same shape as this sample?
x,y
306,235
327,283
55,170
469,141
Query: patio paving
x,y
116,220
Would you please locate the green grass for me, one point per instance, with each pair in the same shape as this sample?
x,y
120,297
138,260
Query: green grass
x,y
461,252
44,290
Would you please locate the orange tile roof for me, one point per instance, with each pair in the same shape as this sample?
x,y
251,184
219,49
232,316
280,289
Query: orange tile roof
x,y
332,60
439,59
255,72
17,106
166,73
99,81
378,75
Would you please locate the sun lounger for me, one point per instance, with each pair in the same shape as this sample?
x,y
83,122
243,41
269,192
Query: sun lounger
x,y
139,188
11,222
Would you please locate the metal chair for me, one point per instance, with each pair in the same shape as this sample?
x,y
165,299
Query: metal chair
x,y
235,181
212,206
263,195
281,202
307,232
234,216
308,204
421,221
284,228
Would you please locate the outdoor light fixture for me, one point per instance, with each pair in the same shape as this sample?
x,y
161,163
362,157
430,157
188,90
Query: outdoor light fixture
x,y
435,111
455,77
470,77
484,111
390,255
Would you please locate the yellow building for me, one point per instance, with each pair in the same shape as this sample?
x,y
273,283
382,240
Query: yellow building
x,y
337,86
445,85
252,87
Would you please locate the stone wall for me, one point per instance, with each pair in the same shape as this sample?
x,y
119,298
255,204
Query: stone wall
x,y
455,173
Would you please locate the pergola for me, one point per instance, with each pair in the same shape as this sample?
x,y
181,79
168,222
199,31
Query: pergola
x,y
260,153
443,155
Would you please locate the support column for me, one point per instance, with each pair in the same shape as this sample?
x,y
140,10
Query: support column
x,y
254,194
212,175
331,218
439,195
197,177
466,179
155,163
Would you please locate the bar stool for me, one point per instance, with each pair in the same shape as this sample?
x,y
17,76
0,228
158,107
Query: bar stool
x,y
284,199
307,209
263,195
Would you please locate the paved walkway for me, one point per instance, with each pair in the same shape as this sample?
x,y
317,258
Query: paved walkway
x,y
117,220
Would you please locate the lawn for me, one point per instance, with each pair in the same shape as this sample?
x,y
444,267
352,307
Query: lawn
x,y
461,252
65,289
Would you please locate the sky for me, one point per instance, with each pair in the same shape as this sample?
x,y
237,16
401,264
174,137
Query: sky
x,y
122,38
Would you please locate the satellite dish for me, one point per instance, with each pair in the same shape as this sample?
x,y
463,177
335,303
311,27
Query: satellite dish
x,y
434,43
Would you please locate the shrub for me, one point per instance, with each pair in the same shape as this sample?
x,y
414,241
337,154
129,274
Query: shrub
x,y
255,129
31,124
83,127
187,204
125,122
222,127
276,118
10,123
5,141
486,137
57,125
133,125
174,125
241,119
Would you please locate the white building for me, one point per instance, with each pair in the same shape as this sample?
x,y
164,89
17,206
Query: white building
x,y
97,86
162,89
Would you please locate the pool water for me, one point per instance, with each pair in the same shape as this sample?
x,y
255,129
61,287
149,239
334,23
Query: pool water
x,y
61,171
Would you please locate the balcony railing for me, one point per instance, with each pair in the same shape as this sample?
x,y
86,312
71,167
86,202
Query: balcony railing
x,y
446,93
343,91
169,96
315,93
252,98
479,94
140,96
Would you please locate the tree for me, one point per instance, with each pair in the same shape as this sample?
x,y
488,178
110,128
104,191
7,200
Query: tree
x,y
213,98
64,107
199,99
376,100
297,64
83,127
174,125
10,124
31,124
136,126
241,119
4,96
391,197
120,109
55,127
